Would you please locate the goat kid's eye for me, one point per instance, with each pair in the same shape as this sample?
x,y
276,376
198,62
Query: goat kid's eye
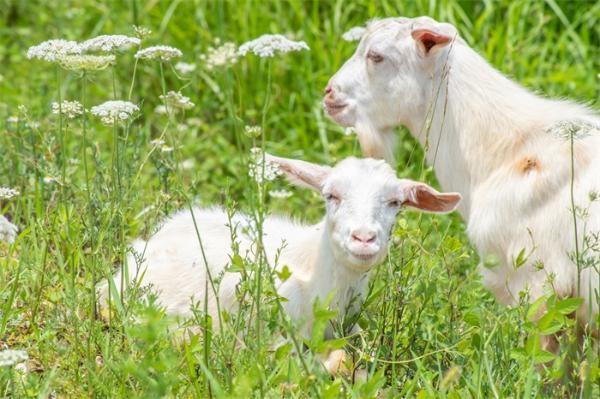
x,y
394,203
374,56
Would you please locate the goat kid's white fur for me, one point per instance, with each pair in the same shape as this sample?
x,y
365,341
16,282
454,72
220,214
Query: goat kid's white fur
x,y
363,197
489,139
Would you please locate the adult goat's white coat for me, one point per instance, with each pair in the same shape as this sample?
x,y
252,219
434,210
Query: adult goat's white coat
x,y
335,256
504,148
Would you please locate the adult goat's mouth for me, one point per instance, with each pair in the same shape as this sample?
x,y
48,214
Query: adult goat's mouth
x,y
333,107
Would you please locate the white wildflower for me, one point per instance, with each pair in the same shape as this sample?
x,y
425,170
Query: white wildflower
x,y
86,62
166,148
12,119
33,125
188,164
22,368
185,68
221,56
574,128
7,193
157,142
174,99
349,131
69,109
197,122
160,110
141,32
268,45
50,179
112,112
354,34
280,194
165,53
8,233
53,50
252,131
261,169
110,43
9,357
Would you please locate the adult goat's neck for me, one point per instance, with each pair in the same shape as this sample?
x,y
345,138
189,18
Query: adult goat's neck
x,y
479,120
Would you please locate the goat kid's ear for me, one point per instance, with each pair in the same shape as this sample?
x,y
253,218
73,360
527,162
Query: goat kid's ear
x,y
429,40
301,173
421,196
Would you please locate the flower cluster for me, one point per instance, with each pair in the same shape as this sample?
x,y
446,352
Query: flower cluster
x,y
280,194
8,233
354,34
252,131
185,68
268,45
53,50
9,357
69,109
7,193
86,62
164,53
260,169
110,43
221,56
574,129
174,99
112,112
141,32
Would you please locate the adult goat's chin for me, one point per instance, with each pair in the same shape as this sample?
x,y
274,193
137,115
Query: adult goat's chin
x,y
340,112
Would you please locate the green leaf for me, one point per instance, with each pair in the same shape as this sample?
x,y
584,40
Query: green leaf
x,y
550,323
521,259
543,356
472,318
532,312
284,274
569,305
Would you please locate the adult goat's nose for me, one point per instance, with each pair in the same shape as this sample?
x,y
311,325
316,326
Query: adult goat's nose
x,y
364,236
328,89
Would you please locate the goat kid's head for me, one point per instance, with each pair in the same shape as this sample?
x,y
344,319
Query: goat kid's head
x,y
385,83
363,197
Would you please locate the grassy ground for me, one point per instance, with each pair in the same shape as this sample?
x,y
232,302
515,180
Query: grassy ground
x,y
430,327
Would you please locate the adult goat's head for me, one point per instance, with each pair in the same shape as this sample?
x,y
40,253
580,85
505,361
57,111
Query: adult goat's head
x,y
385,83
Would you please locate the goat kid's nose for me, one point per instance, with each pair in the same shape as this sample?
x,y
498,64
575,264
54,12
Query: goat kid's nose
x,y
328,89
364,236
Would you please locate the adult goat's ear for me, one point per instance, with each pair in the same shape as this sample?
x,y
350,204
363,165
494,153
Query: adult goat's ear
x,y
429,40
421,196
300,173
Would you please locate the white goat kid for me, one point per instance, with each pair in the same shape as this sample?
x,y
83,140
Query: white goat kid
x,y
489,139
363,197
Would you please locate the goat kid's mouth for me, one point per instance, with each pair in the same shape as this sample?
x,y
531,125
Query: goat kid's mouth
x,y
364,256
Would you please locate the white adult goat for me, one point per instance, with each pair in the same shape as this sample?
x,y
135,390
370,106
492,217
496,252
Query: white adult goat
x,y
363,197
489,139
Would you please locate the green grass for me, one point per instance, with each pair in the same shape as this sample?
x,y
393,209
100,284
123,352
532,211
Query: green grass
x,y
430,327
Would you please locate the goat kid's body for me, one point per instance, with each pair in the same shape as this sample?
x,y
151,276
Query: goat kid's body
x,y
493,143
173,264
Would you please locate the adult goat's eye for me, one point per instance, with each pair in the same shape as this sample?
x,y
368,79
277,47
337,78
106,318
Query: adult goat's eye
x,y
374,56
332,197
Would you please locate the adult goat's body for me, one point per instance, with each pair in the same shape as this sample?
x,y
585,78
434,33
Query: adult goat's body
x,y
508,151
